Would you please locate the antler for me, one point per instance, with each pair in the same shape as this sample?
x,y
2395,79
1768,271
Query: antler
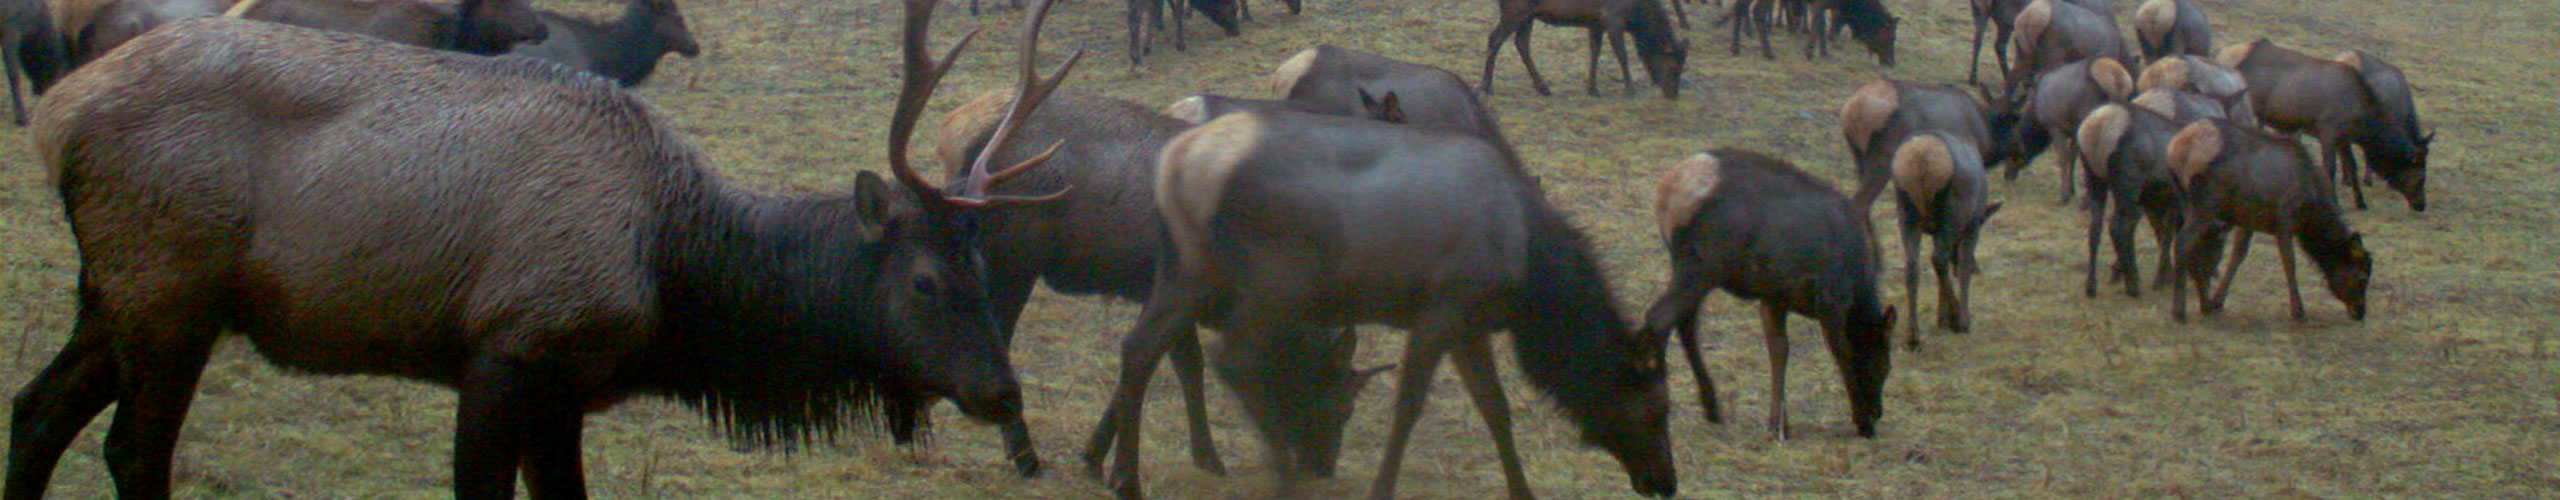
x,y
921,74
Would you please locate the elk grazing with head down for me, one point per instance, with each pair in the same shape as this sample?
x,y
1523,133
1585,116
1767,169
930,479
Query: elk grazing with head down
x,y
626,50
1879,116
2126,152
2354,100
2200,76
2237,178
2054,104
1939,181
1422,229
2002,17
1658,43
1867,20
2172,27
537,239
1762,230
2052,33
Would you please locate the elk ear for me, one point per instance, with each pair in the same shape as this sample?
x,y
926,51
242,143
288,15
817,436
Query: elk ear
x,y
1382,108
871,203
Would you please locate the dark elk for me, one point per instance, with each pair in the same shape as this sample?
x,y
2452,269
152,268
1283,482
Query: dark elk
x,y
545,244
482,27
1658,43
1448,245
32,49
625,50
1879,116
2172,27
1939,181
2052,33
1104,241
2002,17
2355,100
1762,230
1869,21
1143,14
2200,76
2126,152
2239,179
2053,105
1346,82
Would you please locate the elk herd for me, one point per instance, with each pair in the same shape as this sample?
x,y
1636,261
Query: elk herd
x,y
356,189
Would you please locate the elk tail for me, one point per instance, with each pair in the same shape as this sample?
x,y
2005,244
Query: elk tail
x,y
240,9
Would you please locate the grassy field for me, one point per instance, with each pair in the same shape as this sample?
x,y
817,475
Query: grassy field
x,y
2447,390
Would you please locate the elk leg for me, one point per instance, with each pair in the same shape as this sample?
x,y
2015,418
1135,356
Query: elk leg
x,y
1680,14
551,465
1910,267
1179,8
2239,252
1520,44
1676,311
1813,38
1136,14
1591,76
1618,44
2190,230
1761,21
2356,180
2000,52
2070,152
1195,408
1740,16
2127,267
2163,227
1475,368
2097,220
50,412
1773,332
157,367
1942,263
1413,387
906,413
1493,47
1973,65
489,429
15,65
2292,289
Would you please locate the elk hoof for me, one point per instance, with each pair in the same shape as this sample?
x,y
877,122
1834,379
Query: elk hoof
x,y
1027,466
1209,462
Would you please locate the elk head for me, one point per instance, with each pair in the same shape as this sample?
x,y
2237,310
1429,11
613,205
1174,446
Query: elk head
x,y
489,27
1869,335
2348,279
666,24
1881,40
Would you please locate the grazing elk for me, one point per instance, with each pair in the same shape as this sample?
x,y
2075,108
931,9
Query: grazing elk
x,y
1340,81
2166,28
2126,151
1867,20
1145,13
1940,189
2354,100
2051,33
483,27
1289,219
2200,76
1762,230
2053,106
1665,55
33,50
626,50
2002,16
2248,181
1879,116
537,239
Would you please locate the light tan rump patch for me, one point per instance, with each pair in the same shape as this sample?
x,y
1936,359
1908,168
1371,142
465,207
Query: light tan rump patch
x,y
2153,20
2111,77
1192,109
2232,56
1682,189
2162,101
1192,175
2352,59
2193,149
1866,112
1286,77
240,9
1921,168
2031,23
2099,136
963,126
2166,73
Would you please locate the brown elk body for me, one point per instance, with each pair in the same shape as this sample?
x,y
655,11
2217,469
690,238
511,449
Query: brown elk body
x,y
2054,105
32,49
2240,179
625,50
1939,181
2051,33
2166,28
2200,76
1658,43
2002,16
1347,82
1869,21
2126,152
2355,101
1756,227
540,241
92,27
1421,230
1879,116
472,26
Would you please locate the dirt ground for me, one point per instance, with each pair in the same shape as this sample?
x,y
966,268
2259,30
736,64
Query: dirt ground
x,y
2446,391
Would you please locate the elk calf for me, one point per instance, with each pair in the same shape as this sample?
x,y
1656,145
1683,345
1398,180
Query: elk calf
x,y
1940,189
1658,43
1763,230
2053,107
2126,150
2238,178
2172,27
2356,100
625,50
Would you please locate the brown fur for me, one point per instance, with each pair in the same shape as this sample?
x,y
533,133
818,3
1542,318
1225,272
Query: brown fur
x,y
1865,112
2242,180
2099,136
2052,33
1921,168
2367,107
2201,76
2193,149
1681,189
1657,41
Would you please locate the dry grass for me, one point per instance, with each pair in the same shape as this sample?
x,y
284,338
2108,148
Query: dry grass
x,y
2448,391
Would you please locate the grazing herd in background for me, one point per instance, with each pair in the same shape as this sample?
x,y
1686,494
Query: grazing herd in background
x,y
545,279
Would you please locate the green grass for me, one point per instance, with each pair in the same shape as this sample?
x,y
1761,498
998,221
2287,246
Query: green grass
x,y
2446,391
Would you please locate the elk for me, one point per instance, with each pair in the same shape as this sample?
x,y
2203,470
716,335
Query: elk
x,y
90,28
1763,230
2126,149
2166,28
2201,76
1144,13
625,50
1341,81
1283,219
537,239
1940,190
2054,105
2355,100
32,49
1657,42
2052,33
1869,21
2002,16
1879,116
1197,109
481,27
2237,178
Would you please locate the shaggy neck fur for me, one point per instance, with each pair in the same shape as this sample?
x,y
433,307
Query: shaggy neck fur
x,y
1566,333
2324,234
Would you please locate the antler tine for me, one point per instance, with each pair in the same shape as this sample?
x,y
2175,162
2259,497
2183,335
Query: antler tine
x,y
1035,89
920,76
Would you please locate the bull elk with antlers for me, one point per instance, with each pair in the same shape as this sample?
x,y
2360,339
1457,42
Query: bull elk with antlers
x,y
2353,102
536,238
